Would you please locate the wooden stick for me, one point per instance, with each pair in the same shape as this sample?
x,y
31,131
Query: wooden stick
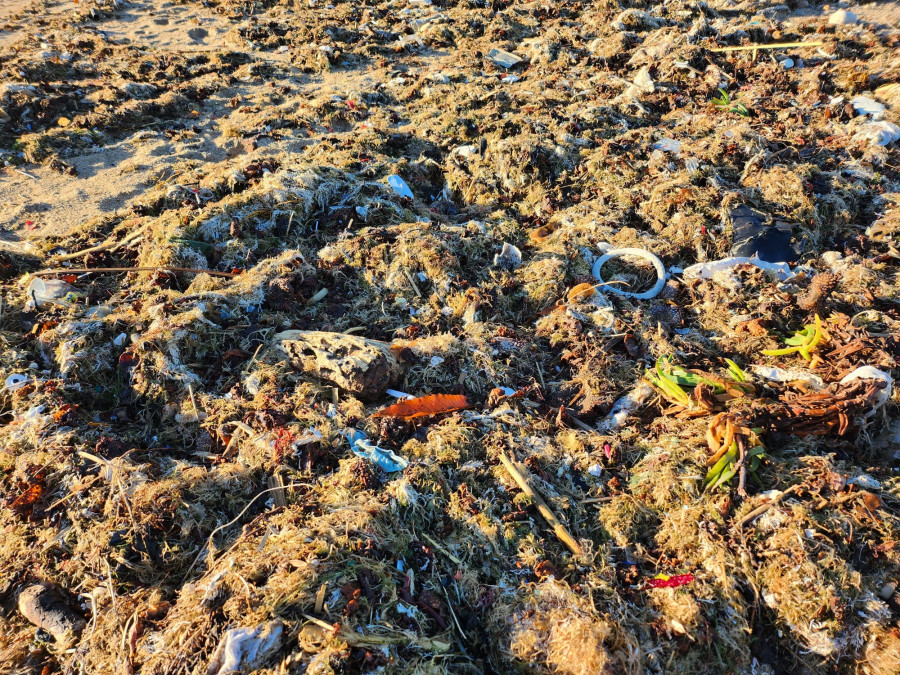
x,y
162,268
773,45
520,475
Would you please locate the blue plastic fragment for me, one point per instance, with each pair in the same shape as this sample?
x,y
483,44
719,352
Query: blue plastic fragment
x,y
400,186
386,459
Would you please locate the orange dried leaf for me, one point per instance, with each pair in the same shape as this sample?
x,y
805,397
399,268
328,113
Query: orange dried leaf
x,y
433,404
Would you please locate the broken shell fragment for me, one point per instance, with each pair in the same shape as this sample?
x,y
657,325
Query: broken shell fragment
x,y
357,365
639,253
46,607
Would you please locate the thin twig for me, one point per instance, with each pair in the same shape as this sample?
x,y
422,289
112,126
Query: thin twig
x,y
209,542
105,246
520,475
773,45
156,268
741,465
759,510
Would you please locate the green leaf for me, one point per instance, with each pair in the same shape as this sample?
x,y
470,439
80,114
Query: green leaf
x,y
735,371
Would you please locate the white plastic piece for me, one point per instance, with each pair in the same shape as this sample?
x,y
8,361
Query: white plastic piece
x,y
877,132
842,18
509,257
706,270
872,373
638,253
400,186
242,650
644,82
504,58
668,145
16,381
865,481
42,291
774,374
868,106
465,150
626,405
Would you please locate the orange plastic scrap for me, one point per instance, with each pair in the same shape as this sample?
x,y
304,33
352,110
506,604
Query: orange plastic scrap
x,y
425,406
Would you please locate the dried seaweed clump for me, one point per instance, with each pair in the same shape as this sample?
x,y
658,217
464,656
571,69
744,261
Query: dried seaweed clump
x,y
549,627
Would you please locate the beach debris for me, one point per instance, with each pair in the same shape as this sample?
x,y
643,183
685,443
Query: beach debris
x,y
363,367
881,395
754,238
785,376
637,253
877,132
521,474
668,145
666,581
424,406
503,58
509,258
832,410
864,481
15,381
159,450
547,627
385,459
242,650
868,106
400,187
52,291
709,270
820,289
842,17
704,391
47,607
626,406
581,293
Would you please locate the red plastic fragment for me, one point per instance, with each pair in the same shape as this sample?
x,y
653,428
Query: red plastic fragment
x,y
670,582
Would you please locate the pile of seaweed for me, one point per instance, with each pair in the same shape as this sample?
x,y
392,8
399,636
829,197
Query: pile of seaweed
x,y
382,393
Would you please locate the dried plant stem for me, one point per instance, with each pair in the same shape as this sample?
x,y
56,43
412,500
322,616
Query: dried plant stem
x,y
774,45
108,245
520,475
759,510
154,268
